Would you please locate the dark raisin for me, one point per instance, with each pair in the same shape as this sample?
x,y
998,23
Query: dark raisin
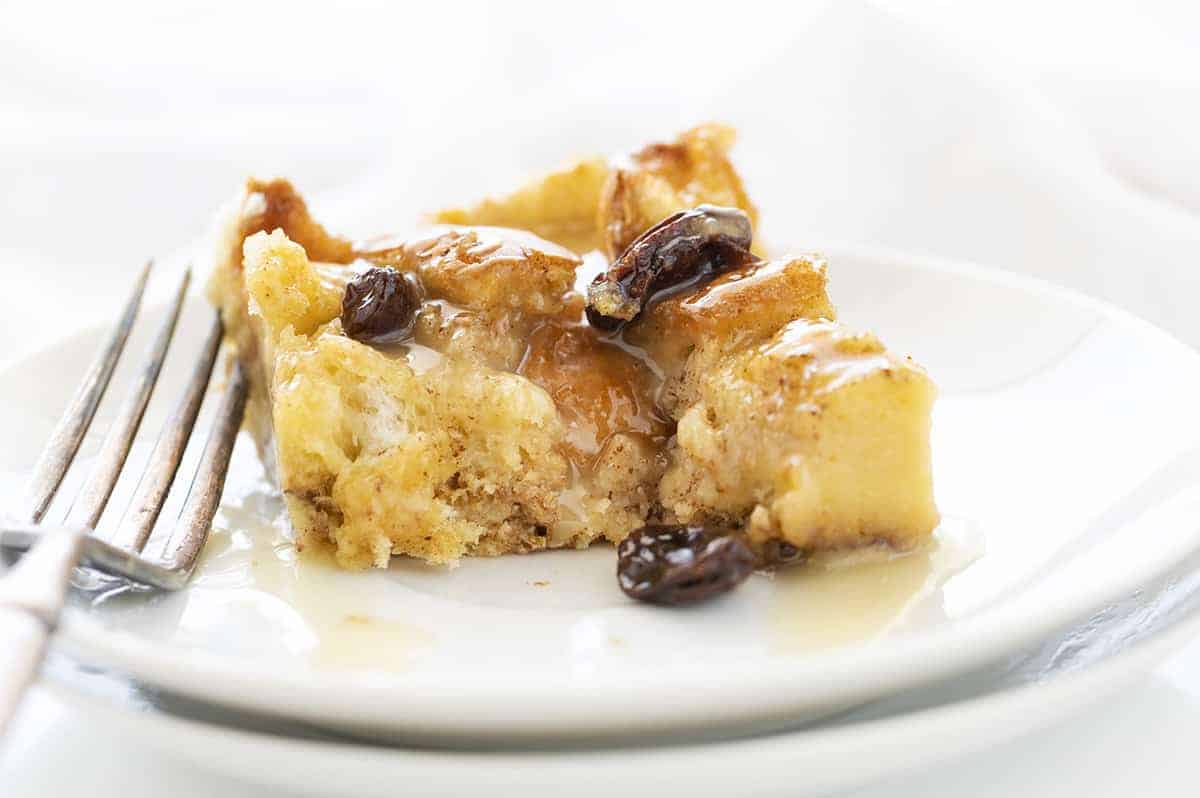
x,y
682,564
680,250
380,306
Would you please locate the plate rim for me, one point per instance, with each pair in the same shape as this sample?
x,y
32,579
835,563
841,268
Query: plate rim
x,y
833,753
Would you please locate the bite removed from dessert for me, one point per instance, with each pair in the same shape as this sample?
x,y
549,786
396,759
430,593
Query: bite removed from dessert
x,y
623,367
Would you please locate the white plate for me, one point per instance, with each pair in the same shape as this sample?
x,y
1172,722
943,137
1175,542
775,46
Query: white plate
x,y
1079,666
1066,464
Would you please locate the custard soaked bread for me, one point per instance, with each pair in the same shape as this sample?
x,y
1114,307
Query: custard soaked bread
x,y
481,390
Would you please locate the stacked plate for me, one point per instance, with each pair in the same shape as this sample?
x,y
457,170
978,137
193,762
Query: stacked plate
x,y
1066,464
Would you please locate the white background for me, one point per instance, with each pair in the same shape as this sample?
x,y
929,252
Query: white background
x,y
1054,138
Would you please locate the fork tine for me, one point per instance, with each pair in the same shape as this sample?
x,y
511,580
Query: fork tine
x,y
152,490
90,503
189,535
98,554
68,433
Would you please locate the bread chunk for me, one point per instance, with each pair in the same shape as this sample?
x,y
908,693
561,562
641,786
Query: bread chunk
x,y
604,204
818,436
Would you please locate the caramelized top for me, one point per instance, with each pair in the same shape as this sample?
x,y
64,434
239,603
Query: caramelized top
x,y
484,268
276,205
504,298
560,206
735,307
664,177
600,388
827,355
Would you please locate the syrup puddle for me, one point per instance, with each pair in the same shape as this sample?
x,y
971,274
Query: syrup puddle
x,y
317,610
822,606
254,595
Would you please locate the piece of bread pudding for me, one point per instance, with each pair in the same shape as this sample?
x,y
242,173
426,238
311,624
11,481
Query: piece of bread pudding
x,y
555,367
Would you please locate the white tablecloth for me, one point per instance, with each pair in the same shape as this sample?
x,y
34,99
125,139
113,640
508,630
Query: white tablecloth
x,y
1055,139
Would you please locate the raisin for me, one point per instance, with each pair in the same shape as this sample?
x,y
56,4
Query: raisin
x,y
380,306
680,250
682,564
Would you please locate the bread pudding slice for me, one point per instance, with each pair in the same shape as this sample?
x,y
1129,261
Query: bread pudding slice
x,y
455,393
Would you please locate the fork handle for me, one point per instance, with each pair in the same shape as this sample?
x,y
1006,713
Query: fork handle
x,y
23,641
31,599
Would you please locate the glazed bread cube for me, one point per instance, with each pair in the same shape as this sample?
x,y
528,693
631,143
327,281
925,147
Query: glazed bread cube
x,y
818,436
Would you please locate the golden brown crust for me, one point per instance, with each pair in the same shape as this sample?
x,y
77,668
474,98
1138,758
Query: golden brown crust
x,y
276,205
594,204
485,268
689,332
495,339
665,177
559,207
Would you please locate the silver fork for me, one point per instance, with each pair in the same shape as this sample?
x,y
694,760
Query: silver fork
x,y
33,593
